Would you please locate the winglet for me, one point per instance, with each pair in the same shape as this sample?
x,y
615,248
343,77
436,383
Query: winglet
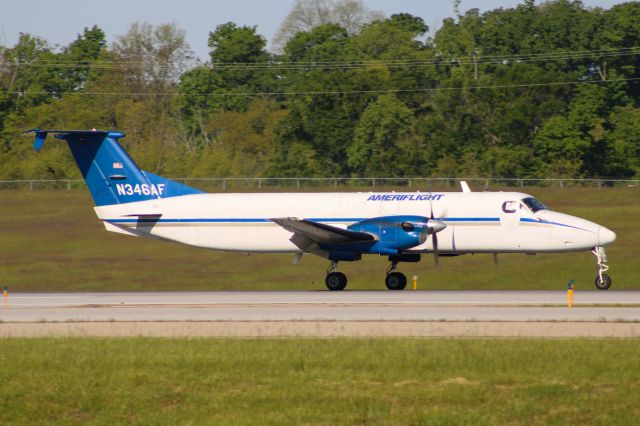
x,y
465,186
39,139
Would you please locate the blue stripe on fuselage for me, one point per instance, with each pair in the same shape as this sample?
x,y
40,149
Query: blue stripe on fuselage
x,y
325,220
546,222
263,220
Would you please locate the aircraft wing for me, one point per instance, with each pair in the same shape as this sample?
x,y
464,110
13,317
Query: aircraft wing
x,y
321,233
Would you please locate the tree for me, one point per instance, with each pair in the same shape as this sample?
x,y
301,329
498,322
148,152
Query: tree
x,y
623,137
618,28
152,58
78,57
409,23
230,43
508,92
560,148
242,143
28,73
226,83
381,146
309,14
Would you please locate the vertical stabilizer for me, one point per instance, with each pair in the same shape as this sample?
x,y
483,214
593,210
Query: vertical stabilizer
x,y
111,175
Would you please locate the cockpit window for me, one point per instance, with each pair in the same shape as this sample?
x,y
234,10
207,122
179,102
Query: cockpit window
x,y
534,204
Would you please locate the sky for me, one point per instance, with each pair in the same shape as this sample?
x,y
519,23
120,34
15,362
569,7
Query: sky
x,y
59,22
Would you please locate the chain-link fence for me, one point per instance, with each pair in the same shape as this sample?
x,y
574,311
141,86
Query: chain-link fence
x,y
338,184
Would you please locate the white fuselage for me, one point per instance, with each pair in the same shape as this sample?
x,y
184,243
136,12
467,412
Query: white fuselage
x,y
476,221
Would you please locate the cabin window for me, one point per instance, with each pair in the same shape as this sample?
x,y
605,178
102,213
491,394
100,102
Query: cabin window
x,y
510,206
408,227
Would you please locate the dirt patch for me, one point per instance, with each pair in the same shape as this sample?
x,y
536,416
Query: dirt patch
x,y
322,329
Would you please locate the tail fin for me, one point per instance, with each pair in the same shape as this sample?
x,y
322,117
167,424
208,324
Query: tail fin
x,y
111,175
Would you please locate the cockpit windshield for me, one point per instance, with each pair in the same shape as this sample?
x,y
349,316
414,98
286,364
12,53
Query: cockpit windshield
x,y
534,204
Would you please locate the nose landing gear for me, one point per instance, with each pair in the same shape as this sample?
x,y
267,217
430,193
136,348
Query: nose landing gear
x,y
603,281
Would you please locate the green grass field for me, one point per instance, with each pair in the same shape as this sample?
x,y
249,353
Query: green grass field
x,y
52,240
332,381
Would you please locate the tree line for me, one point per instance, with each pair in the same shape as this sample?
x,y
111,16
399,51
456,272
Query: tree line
x,y
538,90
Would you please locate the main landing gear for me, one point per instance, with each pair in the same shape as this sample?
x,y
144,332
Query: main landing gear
x,y
335,280
394,280
603,281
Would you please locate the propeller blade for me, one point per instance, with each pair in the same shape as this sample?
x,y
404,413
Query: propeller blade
x,y
436,226
495,259
436,254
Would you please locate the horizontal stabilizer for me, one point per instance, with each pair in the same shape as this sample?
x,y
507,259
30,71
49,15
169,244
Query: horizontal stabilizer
x,y
41,135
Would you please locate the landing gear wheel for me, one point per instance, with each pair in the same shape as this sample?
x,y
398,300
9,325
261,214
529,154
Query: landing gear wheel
x,y
604,283
396,281
336,281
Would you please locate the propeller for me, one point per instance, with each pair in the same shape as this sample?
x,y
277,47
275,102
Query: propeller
x,y
435,226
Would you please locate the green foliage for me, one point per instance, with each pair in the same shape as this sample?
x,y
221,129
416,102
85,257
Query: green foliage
x,y
232,44
623,139
537,90
380,145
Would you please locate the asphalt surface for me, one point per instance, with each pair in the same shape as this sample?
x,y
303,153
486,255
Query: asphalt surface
x,y
367,306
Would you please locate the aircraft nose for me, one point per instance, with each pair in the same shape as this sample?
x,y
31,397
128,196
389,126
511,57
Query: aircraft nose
x,y
606,236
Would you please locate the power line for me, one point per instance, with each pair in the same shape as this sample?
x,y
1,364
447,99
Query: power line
x,y
328,92
540,54
354,64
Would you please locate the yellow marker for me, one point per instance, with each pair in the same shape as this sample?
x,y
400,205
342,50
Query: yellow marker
x,y
5,292
570,294
415,282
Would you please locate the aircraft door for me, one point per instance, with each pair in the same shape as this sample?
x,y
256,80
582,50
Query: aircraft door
x,y
510,214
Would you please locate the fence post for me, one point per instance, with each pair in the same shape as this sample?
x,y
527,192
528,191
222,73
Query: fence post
x,y
298,183
68,185
259,183
224,184
561,184
31,185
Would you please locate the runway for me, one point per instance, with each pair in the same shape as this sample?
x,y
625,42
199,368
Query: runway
x,y
415,313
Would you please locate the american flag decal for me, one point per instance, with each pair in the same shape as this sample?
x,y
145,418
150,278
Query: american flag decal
x,y
117,165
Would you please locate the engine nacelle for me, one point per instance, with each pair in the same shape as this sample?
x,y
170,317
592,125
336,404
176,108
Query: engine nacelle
x,y
396,233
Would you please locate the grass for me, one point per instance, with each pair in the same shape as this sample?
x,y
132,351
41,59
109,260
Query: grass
x,y
332,381
52,241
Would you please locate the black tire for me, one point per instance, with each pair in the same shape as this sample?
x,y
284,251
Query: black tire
x,y
396,281
336,281
603,284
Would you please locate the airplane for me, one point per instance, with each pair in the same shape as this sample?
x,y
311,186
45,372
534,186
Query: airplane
x,y
340,227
